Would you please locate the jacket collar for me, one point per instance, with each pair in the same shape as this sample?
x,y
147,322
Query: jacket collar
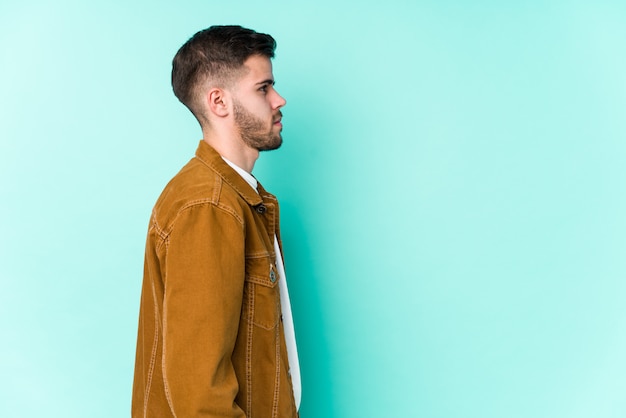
x,y
213,159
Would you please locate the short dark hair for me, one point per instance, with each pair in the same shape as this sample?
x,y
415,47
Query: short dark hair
x,y
216,54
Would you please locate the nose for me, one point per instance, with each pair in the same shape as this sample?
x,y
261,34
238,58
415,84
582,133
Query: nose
x,y
279,101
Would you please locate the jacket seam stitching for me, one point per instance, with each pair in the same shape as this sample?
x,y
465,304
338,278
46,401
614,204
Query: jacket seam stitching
x,y
200,202
249,352
164,234
160,232
258,254
166,388
277,381
155,343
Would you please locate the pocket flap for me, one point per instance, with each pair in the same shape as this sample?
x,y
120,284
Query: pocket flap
x,y
262,270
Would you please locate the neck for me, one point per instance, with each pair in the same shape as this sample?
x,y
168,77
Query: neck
x,y
232,148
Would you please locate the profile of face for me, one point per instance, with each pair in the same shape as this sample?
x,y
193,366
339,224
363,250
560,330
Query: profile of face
x,y
257,104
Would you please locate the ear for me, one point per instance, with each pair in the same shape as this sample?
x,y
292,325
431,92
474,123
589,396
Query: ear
x,y
218,102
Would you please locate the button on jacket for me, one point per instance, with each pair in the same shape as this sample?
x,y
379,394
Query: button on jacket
x,y
211,341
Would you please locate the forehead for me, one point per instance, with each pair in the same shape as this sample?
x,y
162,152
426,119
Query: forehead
x,y
258,69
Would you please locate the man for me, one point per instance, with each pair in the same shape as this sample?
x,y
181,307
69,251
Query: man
x,y
215,336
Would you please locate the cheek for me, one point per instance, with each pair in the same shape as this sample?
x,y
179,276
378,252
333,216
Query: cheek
x,y
260,107
263,111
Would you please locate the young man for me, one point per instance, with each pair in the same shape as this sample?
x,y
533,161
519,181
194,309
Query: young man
x,y
216,337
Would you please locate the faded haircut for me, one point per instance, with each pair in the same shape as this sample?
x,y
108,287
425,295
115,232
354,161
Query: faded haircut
x,y
215,56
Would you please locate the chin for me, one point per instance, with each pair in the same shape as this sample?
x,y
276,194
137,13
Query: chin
x,y
275,144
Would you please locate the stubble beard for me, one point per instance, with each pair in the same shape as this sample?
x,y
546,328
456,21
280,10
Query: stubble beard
x,y
254,131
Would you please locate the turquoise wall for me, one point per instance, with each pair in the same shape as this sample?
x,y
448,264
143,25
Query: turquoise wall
x,y
452,184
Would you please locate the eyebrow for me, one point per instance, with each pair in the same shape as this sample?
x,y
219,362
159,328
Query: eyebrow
x,y
268,81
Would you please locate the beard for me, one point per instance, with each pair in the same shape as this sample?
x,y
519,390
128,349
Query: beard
x,y
254,131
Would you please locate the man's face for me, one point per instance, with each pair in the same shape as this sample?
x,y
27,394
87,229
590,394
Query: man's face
x,y
256,106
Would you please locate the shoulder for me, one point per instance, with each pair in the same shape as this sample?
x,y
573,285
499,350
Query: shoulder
x,y
196,186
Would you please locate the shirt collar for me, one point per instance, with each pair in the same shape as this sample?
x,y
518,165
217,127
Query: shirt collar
x,y
249,178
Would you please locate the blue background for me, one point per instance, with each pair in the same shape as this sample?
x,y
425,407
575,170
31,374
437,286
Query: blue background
x,y
452,189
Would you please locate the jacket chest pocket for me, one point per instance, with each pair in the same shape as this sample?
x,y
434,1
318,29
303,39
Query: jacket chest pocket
x,y
262,293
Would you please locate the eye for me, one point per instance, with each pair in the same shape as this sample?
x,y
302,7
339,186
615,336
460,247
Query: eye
x,y
264,88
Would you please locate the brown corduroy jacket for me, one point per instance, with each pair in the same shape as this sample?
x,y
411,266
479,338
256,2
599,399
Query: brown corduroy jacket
x,y
211,340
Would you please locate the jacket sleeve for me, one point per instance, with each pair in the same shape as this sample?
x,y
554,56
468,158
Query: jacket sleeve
x,y
204,279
